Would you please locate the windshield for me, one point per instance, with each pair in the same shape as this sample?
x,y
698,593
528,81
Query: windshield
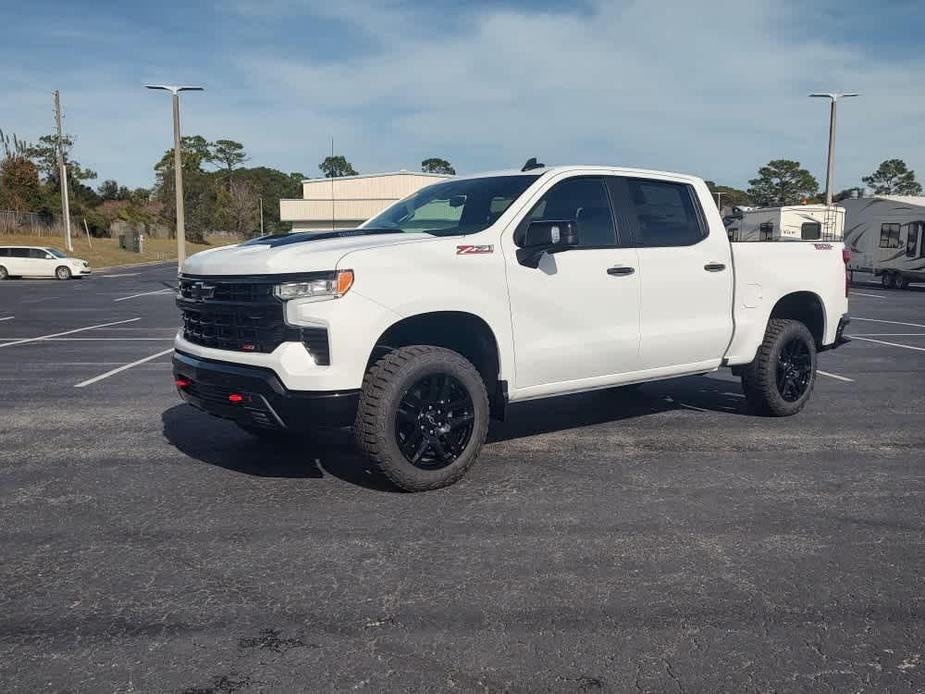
x,y
55,252
454,207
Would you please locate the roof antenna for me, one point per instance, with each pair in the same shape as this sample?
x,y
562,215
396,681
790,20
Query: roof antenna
x,y
532,164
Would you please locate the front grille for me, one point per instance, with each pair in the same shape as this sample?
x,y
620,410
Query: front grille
x,y
233,315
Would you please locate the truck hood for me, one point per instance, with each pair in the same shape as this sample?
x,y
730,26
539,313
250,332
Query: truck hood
x,y
298,252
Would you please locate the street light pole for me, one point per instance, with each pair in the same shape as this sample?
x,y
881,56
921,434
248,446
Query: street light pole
x,y
261,214
178,165
830,167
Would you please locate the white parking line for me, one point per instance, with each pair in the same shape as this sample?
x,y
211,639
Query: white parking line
x,y
120,369
8,318
66,332
889,335
891,322
120,274
835,376
110,339
873,296
867,339
156,291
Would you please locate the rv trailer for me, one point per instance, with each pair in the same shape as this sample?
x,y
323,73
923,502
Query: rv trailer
x,y
884,236
789,223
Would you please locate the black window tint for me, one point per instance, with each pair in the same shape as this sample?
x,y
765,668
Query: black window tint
x,y
4,252
811,231
37,253
583,201
889,236
19,252
663,213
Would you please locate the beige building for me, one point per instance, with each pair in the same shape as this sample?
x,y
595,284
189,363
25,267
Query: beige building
x,y
347,202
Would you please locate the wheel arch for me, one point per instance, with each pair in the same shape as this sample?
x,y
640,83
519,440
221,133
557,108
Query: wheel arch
x,y
463,332
807,308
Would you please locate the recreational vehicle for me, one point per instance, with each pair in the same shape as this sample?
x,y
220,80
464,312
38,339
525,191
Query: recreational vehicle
x,y
884,235
790,223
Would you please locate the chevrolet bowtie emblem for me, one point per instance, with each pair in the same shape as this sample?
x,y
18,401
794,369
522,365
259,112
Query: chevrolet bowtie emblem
x,y
200,291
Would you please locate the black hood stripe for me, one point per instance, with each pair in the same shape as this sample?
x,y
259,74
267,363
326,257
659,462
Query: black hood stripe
x,y
307,236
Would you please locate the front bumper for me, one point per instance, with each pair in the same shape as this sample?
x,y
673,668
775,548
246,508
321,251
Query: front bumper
x,y
264,401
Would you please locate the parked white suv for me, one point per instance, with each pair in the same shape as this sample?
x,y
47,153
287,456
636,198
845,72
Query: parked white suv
x,y
40,261
480,291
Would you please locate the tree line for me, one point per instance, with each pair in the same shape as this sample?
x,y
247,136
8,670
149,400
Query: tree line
x,y
222,194
786,182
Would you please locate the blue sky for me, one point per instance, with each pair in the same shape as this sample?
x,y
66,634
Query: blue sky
x,y
713,88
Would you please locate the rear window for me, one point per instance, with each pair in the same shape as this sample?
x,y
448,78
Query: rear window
x,y
811,231
661,213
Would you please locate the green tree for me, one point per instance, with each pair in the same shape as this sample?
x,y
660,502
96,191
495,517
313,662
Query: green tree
x,y
336,166
272,186
438,166
893,177
228,155
111,190
728,195
20,187
45,156
199,191
782,182
194,152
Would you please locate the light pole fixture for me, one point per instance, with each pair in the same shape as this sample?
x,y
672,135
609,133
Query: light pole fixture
x,y
830,167
177,163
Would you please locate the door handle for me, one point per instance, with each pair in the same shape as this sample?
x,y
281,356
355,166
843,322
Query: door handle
x,y
714,267
620,270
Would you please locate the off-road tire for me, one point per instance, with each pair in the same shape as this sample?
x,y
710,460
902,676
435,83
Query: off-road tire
x,y
759,378
4,275
62,272
384,386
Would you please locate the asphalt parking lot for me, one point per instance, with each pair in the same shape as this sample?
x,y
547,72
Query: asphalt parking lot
x,y
662,540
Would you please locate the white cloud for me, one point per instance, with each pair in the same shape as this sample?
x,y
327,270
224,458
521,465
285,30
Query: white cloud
x,y
714,88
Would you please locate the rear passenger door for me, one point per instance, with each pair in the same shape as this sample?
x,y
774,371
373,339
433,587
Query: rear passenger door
x,y
686,274
19,264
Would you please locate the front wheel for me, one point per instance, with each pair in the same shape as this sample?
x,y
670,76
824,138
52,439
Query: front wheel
x,y
780,379
422,416
63,273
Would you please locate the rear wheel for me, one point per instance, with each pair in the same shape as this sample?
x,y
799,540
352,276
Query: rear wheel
x,y
886,280
902,282
780,379
4,275
422,416
63,273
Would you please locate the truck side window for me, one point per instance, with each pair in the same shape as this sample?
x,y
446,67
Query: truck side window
x,y
661,213
889,235
583,201
810,231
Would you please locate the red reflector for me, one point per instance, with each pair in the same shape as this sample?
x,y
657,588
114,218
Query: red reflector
x,y
845,255
235,397
182,382
248,348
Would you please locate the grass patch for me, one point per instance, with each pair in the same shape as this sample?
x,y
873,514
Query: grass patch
x,y
106,252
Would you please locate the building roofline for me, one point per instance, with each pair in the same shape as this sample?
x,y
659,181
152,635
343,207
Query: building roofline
x,y
402,172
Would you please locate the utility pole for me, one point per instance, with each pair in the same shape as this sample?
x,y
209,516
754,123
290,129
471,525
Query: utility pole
x,y
261,214
830,166
177,165
62,175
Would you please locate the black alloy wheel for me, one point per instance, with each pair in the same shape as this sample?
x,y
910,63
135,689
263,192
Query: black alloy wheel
x,y
434,421
794,370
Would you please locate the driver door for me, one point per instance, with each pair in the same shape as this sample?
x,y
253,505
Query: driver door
x,y
575,318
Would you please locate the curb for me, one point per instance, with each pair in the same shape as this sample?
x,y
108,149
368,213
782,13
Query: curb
x,y
129,265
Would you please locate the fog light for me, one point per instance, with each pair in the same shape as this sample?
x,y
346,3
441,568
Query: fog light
x,y
183,382
235,398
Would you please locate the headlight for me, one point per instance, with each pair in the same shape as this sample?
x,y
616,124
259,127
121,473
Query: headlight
x,y
330,286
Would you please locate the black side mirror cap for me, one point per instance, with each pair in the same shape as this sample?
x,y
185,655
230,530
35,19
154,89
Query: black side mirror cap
x,y
546,236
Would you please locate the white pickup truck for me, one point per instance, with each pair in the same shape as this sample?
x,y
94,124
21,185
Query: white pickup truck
x,y
472,293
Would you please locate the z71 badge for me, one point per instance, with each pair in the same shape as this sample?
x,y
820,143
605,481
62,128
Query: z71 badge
x,y
474,250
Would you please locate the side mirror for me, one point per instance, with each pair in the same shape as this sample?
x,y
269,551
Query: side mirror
x,y
546,236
